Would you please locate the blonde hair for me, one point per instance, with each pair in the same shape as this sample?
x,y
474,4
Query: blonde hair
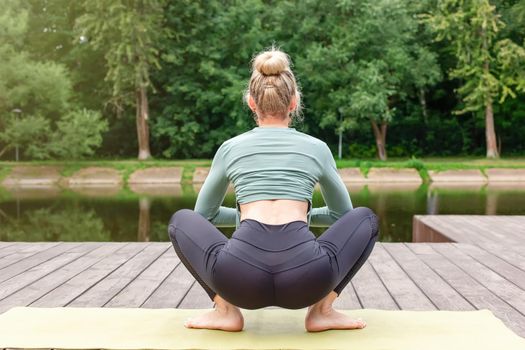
x,y
272,84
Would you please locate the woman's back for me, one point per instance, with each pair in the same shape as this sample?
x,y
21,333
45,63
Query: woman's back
x,y
274,170
273,162
269,163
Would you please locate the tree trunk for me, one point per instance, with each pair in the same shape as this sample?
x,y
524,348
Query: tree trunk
x,y
142,123
490,133
380,137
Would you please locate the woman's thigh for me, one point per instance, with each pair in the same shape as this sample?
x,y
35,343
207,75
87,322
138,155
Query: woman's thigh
x,y
198,240
346,239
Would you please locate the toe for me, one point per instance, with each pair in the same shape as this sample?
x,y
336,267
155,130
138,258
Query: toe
x,y
361,324
188,323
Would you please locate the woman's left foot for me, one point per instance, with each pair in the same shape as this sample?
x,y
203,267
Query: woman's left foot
x,y
321,320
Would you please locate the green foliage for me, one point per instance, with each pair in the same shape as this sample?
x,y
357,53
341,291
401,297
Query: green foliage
x,y
35,98
489,66
128,32
372,58
30,134
78,134
205,69
415,163
32,87
69,224
357,150
356,61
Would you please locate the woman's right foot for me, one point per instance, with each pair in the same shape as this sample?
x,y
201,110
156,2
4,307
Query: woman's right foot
x,y
318,320
222,318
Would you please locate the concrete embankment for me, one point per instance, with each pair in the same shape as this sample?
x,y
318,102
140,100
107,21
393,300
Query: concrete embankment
x,y
168,179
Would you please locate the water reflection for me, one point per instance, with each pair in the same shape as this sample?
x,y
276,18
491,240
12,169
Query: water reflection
x,y
102,214
143,231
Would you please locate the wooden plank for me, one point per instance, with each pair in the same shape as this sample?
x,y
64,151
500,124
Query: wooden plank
x,y
506,290
433,286
19,281
197,298
22,251
4,245
33,291
35,260
476,226
107,288
476,229
474,292
465,229
172,290
498,240
511,232
348,298
458,231
496,263
404,291
370,289
138,291
71,289
23,246
508,256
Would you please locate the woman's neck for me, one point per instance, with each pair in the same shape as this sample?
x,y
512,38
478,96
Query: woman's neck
x,y
273,122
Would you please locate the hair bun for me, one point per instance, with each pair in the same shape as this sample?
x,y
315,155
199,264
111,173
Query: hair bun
x,y
272,62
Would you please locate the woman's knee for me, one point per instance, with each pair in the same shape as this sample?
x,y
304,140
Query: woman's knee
x,y
362,213
176,219
374,220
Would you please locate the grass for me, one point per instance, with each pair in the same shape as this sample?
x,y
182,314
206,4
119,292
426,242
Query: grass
x,y
127,166
4,171
424,165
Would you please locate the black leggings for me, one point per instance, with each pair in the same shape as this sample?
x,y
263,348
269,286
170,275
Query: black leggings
x,y
273,265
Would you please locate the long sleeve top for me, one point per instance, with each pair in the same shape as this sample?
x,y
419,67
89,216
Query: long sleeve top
x,y
273,163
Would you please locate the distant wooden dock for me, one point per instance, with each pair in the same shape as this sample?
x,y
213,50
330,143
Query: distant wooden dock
x,y
407,276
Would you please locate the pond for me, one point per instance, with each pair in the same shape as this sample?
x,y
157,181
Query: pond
x,y
53,214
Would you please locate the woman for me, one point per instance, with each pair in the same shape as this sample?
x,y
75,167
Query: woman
x,y
273,258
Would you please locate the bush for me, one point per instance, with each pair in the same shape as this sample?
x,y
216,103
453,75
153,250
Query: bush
x,y
78,134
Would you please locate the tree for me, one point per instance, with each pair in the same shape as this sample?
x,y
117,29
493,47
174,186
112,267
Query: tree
x,y
36,107
129,31
206,67
488,66
368,58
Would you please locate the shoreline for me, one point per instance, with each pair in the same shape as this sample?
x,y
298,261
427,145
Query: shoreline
x,y
150,174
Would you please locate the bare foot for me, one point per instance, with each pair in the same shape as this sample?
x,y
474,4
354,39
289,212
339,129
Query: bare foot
x,y
321,320
225,316
321,316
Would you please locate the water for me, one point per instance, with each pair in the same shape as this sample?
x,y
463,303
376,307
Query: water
x,y
122,215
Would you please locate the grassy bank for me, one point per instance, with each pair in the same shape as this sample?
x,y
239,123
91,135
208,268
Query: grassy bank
x,y
125,167
423,165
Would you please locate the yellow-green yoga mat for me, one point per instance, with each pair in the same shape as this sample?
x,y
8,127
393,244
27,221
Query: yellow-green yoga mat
x,y
127,328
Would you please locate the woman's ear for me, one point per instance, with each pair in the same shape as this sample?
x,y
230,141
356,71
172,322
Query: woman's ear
x,y
293,104
251,103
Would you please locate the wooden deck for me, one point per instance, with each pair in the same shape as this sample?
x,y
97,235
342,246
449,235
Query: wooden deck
x,y
408,276
496,233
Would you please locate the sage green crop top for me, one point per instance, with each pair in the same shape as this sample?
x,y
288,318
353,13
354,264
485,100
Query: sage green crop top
x,y
273,163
